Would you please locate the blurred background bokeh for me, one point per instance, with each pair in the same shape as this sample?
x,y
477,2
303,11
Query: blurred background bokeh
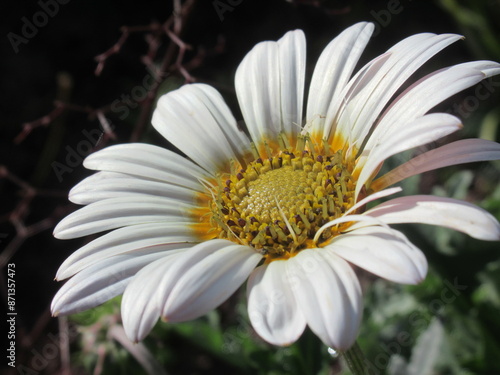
x,y
58,104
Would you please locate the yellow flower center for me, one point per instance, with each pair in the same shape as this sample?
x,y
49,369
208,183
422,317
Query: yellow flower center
x,y
277,205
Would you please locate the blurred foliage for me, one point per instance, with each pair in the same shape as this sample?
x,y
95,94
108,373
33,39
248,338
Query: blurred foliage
x,y
478,20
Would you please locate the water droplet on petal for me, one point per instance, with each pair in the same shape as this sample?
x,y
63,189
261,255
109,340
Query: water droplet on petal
x,y
333,353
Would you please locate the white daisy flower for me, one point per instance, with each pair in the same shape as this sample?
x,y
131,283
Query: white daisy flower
x,y
283,207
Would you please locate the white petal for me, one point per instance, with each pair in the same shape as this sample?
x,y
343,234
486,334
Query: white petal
x,y
367,220
235,137
211,281
292,60
143,299
269,84
423,130
405,58
331,74
119,212
459,152
151,162
125,240
329,295
100,282
382,251
145,296
422,96
356,85
196,120
372,197
488,68
462,216
257,89
272,307
105,185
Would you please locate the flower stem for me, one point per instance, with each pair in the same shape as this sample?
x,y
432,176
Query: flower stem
x,y
355,360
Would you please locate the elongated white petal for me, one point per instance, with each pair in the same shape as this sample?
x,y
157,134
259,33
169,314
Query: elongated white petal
x,y
488,68
269,84
459,152
331,74
422,96
272,308
292,60
143,299
101,282
257,89
196,120
336,111
382,251
405,58
235,137
126,240
211,281
119,212
105,185
462,216
368,220
372,197
150,162
328,293
424,130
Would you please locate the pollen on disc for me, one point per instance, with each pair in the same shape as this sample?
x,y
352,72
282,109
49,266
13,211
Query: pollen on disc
x,y
277,189
277,205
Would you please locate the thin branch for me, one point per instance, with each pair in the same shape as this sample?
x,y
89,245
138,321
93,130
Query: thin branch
x,y
139,351
115,48
40,327
147,104
101,356
172,61
43,121
178,14
106,126
183,47
60,108
22,234
101,59
64,345
22,210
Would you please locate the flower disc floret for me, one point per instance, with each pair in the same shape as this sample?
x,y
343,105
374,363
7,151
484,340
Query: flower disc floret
x,y
278,204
